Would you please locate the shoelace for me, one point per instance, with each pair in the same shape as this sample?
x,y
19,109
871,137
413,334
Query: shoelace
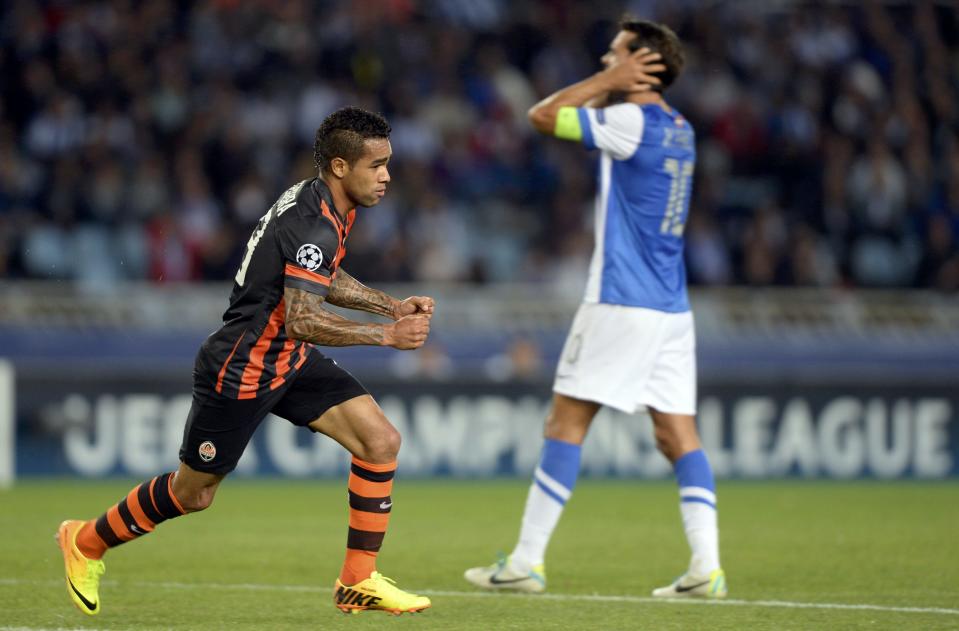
x,y
377,575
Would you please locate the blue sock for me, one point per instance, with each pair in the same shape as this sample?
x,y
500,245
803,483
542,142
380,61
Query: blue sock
x,y
697,503
558,469
553,483
695,478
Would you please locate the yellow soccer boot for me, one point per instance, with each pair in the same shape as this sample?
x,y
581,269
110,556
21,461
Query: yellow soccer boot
x,y
377,592
83,574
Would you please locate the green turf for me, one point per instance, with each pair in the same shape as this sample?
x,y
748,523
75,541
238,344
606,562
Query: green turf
x,y
266,554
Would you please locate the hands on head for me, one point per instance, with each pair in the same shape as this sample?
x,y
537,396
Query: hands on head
x,y
636,73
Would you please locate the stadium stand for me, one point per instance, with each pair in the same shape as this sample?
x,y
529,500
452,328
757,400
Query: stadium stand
x,y
141,142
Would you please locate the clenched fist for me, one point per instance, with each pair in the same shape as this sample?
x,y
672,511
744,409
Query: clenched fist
x,y
408,332
413,304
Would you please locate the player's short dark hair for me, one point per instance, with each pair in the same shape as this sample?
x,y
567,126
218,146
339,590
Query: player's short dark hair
x,y
658,38
342,134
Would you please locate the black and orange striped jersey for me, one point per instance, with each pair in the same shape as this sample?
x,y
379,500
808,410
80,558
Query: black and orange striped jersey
x,y
298,243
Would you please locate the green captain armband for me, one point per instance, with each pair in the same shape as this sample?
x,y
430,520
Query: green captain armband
x,y
567,124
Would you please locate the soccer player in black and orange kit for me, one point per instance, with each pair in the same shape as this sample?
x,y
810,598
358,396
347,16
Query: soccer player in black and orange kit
x,y
262,360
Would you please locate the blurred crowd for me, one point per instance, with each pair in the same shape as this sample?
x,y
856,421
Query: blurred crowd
x,y
143,140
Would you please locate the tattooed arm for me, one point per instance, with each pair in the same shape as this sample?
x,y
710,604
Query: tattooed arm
x,y
349,293
307,320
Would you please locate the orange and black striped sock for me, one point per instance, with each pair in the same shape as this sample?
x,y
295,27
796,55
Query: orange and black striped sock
x,y
370,504
134,516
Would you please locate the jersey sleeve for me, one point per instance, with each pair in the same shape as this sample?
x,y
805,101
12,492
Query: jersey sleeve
x,y
309,246
617,129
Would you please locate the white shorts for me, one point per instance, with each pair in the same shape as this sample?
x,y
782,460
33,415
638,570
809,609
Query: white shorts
x,y
629,358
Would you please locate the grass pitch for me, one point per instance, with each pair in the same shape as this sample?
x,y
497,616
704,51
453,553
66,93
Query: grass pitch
x,y
797,555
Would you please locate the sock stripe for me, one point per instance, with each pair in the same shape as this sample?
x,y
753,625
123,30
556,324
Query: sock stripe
x,y
127,517
696,491
698,500
370,504
371,522
364,540
556,487
176,502
105,532
365,488
145,501
372,476
133,504
163,498
369,466
116,524
549,492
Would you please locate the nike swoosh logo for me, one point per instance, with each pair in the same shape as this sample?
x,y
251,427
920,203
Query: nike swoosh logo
x,y
680,588
506,581
385,505
89,605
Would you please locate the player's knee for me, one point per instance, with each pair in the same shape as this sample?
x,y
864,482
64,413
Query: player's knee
x,y
385,446
559,428
552,425
198,500
668,443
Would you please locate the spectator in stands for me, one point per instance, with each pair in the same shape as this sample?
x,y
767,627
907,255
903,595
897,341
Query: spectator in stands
x,y
151,128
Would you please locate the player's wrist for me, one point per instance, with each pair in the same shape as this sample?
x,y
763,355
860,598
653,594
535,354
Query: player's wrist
x,y
605,81
389,337
395,306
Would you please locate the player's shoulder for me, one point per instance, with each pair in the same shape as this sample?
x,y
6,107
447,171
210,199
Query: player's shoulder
x,y
620,113
307,201
656,116
297,201
305,221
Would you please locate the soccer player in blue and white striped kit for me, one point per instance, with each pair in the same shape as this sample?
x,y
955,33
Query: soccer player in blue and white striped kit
x,y
632,343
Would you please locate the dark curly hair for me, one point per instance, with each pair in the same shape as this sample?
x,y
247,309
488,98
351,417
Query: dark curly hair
x,y
342,134
658,38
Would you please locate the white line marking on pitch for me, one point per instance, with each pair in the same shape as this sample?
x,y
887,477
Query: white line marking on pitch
x,y
563,597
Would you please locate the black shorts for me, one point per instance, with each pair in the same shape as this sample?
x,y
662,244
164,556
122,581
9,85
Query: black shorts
x,y
218,428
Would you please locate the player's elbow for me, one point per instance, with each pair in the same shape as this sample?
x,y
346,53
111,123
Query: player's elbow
x,y
296,330
541,119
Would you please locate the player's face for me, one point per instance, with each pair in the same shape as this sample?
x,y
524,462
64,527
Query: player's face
x,y
366,181
618,49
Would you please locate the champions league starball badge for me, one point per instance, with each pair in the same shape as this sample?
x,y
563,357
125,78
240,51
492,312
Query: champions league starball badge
x,y
309,256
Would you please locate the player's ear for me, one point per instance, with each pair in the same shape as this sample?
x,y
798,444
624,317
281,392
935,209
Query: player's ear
x,y
339,167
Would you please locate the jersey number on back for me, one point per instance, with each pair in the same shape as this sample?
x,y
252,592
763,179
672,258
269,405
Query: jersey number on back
x,y
680,172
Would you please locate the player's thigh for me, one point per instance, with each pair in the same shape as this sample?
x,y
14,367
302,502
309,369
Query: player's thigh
x,y
569,418
361,427
326,398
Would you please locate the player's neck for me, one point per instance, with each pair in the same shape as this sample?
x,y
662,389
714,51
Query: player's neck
x,y
341,201
649,98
